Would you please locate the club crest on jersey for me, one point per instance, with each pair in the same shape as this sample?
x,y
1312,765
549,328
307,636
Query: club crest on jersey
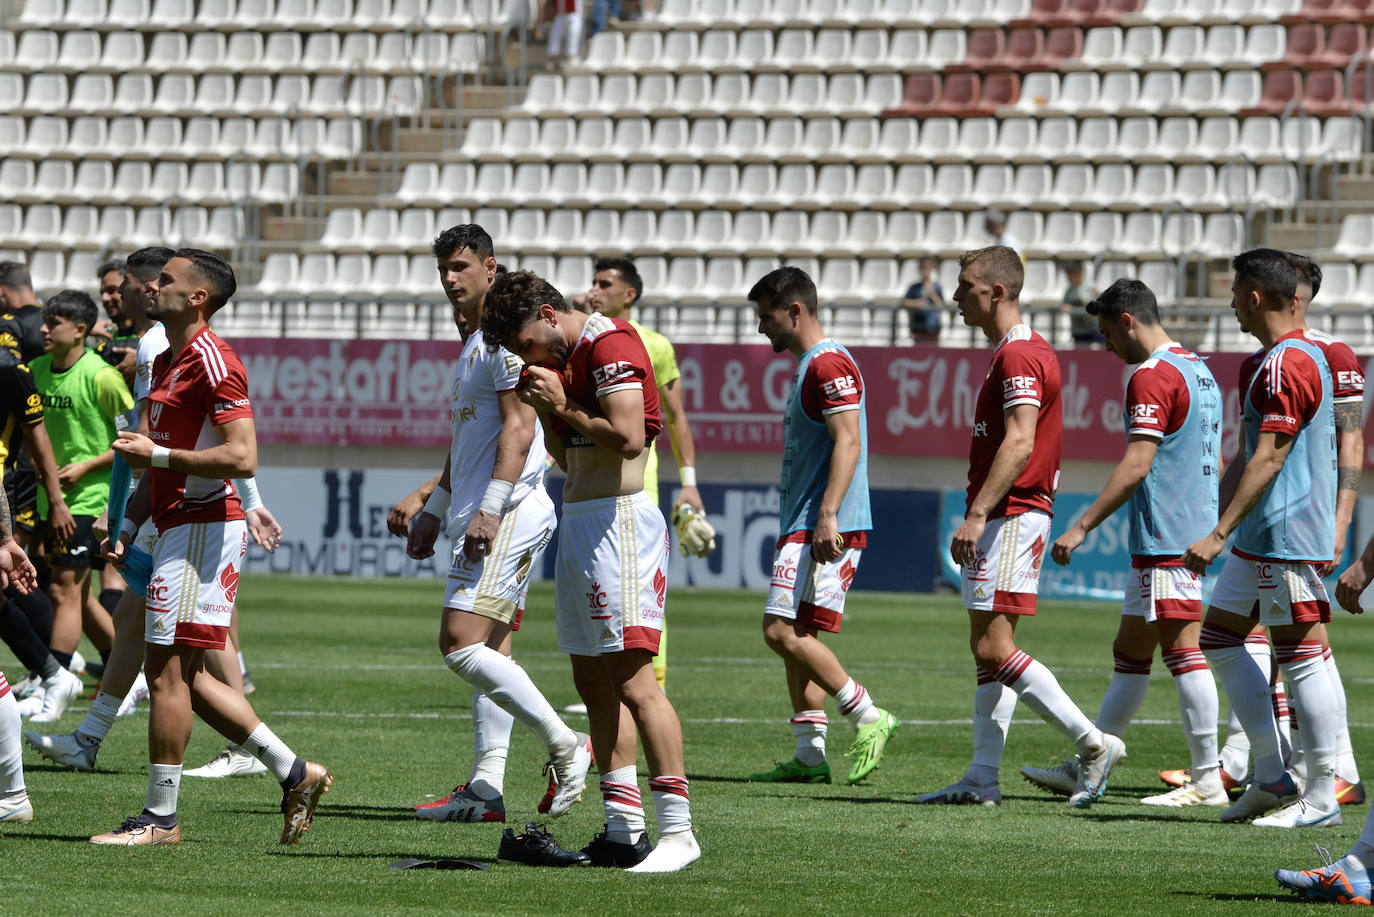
x,y
155,413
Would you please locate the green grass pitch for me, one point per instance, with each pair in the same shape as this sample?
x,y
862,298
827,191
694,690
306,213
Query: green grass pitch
x,y
348,673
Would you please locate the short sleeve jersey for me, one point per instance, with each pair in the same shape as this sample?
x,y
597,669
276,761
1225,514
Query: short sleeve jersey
x,y
478,381
609,357
203,387
1024,370
1157,398
21,405
828,382
1294,519
1287,392
1347,375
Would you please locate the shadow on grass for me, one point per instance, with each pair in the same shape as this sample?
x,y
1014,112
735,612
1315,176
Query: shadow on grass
x,y
385,858
359,813
716,778
1222,896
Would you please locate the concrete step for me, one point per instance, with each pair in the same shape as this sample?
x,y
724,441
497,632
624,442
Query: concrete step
x,y
286,229
1356,189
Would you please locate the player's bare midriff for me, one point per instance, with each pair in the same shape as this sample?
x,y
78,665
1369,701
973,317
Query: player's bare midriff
x,y
594,473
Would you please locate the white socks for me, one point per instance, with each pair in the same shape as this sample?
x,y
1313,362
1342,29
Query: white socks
x,y
511,689
1248,689
623,805
809,728
99,718
671,804
264,745
490,743
1124,695
1037,687
855,704
993,703
1345,755
164,781
1307,675
11,760
1198,704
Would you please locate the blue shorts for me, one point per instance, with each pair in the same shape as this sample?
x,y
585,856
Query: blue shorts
x,y
137,570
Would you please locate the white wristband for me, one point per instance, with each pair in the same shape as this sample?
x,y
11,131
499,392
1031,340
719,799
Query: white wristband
x,y
688,475
494,500
162,457
437,504
127,530
249,494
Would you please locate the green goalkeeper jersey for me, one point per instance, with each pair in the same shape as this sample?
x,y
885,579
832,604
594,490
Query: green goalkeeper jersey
x,y
80,405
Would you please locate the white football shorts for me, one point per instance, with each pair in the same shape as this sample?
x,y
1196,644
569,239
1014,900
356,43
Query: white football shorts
x,y
612,575
1272,592
495,586
194,583
1005,573
804,590
1163,594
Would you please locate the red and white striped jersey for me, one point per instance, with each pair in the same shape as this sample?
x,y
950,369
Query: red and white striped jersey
x,y
194,391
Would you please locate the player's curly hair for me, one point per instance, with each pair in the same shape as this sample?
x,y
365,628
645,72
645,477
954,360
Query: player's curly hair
x,y
513,302
998,264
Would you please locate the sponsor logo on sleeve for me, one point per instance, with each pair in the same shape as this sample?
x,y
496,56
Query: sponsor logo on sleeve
x,y
1014,387
610,373
840,387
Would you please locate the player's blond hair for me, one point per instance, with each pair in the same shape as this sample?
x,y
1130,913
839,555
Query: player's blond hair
x,y
997,264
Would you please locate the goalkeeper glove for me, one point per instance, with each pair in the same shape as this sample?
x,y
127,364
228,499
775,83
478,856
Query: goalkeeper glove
x,y
695,536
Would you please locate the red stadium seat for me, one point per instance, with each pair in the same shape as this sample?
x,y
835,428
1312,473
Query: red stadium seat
x,y
1324,93
984,47
1000,89
1306,41
1280,87
922,94
1023,46
961,94
1345,42
1061,44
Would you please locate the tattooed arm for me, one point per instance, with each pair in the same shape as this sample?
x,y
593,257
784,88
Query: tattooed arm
x,y
1349,462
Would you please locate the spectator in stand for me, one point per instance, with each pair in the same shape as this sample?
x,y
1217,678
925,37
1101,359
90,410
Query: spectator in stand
x,y
995,222
567,31
1082,326
924,301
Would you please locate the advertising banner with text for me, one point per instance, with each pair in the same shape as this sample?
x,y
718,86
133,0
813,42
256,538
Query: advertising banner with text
x,y
920,400
334,523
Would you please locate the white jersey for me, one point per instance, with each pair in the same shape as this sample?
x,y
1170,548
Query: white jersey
x,y
153,342
480,377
